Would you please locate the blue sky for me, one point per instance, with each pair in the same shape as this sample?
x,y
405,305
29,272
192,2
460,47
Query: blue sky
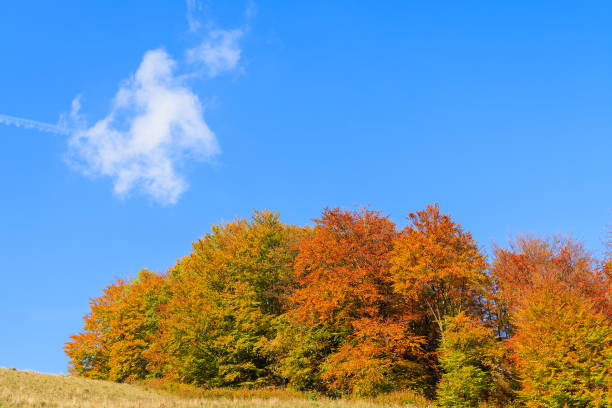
x,y
499,111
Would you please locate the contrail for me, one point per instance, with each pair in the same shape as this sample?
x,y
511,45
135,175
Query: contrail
x,y
32,124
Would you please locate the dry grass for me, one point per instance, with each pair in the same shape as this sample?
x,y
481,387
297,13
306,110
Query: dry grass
x,y
22,389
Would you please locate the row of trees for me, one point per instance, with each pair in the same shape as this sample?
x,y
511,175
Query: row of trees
x,y
354,306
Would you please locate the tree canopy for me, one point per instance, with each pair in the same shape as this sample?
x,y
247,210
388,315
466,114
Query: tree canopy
x,y
353,306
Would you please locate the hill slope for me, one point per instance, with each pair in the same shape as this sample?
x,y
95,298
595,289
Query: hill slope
x,y
23,389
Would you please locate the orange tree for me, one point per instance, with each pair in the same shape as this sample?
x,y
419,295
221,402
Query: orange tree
x,y
120,328
347,331
88,351
532,260
437,267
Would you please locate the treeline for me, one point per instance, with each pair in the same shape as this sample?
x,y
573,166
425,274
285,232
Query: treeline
x,y
354,306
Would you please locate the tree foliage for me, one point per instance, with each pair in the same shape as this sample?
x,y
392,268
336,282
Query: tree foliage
x,y
119,330
531,261
472,362
438,265
354,306
226,294
345,296
563,349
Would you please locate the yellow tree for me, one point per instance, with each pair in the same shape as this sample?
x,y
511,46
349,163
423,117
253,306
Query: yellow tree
x,y
225,297
562,348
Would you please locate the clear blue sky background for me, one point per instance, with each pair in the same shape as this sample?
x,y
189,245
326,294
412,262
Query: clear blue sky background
x,y
499,111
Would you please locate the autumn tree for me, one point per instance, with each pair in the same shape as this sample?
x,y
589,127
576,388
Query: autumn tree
x,y
88,351
605,273
380,355
562,348
351,306
437,266
225,297
349,332
530,261
121,326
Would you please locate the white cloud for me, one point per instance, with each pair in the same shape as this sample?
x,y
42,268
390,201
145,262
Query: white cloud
x,y
192,8
219,52
155,123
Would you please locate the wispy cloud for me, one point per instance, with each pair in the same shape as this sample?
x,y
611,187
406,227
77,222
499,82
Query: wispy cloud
x,y
193,6
32,124
155,123
219,52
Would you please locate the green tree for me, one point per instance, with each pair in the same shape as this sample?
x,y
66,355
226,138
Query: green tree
x,y
468,354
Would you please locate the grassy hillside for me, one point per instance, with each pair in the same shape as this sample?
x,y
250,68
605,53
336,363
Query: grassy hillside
x,y
28,389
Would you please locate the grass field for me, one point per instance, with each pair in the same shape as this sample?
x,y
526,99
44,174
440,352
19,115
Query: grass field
x,y
28,389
